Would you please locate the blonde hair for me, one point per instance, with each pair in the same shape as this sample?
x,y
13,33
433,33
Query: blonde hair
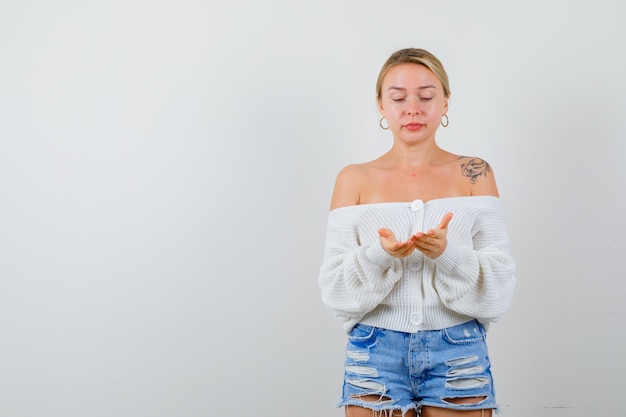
x,y
414,56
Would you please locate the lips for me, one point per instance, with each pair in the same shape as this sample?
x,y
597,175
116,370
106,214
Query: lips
x,y
413,126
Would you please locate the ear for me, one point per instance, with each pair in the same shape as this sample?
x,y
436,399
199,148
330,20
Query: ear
x,y
445,105
381,110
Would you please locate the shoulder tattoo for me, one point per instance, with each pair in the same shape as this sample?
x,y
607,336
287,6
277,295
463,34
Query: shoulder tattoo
x,y
474,168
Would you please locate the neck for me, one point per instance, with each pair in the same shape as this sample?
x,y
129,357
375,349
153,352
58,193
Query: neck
x,y
415,156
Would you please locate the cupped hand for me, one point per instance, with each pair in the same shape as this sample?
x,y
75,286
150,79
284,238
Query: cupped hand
x,y
433,242
393,246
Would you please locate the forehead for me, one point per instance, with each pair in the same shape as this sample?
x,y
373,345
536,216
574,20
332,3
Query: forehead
x,y
410,75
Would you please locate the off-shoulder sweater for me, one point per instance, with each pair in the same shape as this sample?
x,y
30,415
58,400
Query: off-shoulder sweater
x,y
472,278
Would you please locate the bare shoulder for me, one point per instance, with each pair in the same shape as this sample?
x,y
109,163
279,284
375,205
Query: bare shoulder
x,y
479,174
348,184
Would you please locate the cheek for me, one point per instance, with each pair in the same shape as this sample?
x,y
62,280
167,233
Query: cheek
x,y
395,115
434,110
395,108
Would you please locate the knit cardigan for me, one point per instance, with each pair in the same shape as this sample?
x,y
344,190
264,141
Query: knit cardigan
x,y
472,278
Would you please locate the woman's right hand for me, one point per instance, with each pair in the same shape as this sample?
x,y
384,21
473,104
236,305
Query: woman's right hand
x,y
394,247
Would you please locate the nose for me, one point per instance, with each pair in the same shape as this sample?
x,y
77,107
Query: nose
x,y
412,108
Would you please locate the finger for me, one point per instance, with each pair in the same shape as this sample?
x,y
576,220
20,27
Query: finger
x,y
402,249
423,237
424,245
444,221
398,246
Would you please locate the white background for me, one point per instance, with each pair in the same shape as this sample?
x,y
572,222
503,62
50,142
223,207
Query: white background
x,y
165,176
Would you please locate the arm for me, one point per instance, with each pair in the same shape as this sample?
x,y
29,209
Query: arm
x,y
355,277
478,280
356,272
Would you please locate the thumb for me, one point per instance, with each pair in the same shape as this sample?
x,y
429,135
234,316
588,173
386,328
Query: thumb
x,y
444,221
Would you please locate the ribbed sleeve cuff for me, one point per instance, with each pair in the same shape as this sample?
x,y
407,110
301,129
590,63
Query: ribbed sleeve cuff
x,y
451,258
378,256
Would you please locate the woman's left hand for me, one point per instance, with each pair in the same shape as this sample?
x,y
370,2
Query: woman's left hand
x,y
433,242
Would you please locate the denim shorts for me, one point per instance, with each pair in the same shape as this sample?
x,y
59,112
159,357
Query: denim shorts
x,y
404,371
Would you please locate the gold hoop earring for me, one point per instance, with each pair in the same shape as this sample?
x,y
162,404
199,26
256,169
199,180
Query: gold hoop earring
x,y
447,120
380,122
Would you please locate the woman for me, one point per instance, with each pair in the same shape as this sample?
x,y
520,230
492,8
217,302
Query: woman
x,y
417,260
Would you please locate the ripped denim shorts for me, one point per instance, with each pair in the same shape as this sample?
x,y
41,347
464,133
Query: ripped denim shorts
x,y
390,370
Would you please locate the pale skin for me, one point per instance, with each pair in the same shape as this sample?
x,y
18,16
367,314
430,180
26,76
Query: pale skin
x,y
413,103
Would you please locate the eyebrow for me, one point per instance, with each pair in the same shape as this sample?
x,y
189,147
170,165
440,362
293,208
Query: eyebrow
x,y
404,89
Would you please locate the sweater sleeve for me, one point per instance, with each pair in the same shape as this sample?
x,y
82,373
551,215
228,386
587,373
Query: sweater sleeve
x,y
478,280
355,277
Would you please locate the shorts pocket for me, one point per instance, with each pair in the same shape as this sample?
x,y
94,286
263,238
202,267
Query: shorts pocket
x,y
362,335
465,334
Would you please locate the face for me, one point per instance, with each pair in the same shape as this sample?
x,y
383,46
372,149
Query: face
x,y
413,102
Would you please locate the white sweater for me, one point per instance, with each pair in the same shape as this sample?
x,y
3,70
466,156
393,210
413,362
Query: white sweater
x,y
472,278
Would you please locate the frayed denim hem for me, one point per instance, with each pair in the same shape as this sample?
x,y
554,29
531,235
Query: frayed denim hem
x,y
383,406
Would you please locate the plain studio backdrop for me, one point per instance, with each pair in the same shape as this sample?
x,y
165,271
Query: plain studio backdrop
x,y
165,176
